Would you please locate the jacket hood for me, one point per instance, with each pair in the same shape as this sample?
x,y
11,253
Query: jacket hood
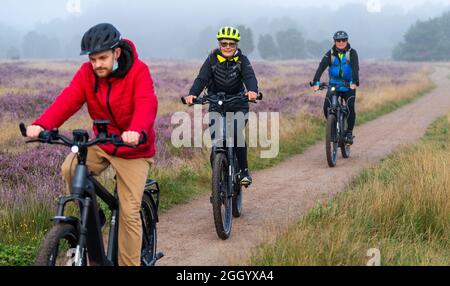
x,y
128,56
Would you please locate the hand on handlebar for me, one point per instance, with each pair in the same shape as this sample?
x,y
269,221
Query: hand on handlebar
x,y
316,88
252,96
190,99
353,86
33,131
131,137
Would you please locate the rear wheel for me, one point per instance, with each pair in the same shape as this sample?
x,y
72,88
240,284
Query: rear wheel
x,y
331,143
221,197
148,218
59,247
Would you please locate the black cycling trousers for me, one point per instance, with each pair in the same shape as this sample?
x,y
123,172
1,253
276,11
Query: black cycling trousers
x,y
349,97
241,152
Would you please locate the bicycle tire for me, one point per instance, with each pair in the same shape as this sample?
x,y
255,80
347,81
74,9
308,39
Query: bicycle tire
x,y
330,142
49,252
222,218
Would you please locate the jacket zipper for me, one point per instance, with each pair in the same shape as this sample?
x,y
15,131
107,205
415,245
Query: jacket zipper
x,y
111,113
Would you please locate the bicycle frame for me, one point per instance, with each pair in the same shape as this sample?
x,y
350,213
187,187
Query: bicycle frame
x,y
230,152
339,109
84,190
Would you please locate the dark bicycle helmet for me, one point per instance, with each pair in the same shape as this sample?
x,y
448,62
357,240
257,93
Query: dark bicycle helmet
x,y
340,35
100,38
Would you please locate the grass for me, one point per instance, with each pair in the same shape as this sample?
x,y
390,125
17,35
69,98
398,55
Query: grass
x,y
186,179
298,132
22,229
384,99
401,207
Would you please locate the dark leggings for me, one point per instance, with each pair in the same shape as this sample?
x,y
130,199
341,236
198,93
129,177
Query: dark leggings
x,y
349,97
241,152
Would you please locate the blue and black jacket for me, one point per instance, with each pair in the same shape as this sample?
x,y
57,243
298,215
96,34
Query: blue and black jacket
x,y
339,69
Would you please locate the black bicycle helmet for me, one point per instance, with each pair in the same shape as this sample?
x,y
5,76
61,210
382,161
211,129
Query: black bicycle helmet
x,y
340,35
100,38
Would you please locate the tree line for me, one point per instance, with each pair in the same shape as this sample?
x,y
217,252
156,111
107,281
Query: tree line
x,y
426,41
284,45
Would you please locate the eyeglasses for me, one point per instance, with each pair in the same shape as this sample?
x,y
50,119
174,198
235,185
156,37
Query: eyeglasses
x,y
341,40
227,44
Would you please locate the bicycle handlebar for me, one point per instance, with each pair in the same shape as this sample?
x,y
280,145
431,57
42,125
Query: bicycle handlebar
x,y
221,98
80,138
324,85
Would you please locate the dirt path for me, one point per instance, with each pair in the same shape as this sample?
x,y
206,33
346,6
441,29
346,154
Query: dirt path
x,y
280,195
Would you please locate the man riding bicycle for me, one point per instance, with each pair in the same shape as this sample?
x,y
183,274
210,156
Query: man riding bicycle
x,y
117,86
343,67
227,70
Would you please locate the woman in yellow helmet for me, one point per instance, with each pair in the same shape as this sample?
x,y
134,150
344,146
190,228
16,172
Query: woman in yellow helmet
x,y
227,70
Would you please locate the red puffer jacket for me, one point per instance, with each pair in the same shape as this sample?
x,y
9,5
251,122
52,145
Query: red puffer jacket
x,y
127,99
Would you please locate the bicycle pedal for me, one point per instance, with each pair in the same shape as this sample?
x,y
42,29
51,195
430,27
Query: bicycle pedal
x,y
159,255
245,184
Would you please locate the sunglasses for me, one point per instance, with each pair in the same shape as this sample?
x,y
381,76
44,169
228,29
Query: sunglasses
x,y
341,40
227,44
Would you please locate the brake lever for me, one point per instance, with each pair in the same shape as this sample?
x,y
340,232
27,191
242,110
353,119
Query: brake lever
x,y
33,141
23,129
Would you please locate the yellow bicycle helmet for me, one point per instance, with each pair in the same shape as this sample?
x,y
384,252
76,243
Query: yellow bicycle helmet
x,y
229,33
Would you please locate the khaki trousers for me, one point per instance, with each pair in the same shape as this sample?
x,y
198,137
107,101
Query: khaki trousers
x,y
131,177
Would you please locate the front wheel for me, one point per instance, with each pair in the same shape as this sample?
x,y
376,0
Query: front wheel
x,y
59,247
331,143
221,196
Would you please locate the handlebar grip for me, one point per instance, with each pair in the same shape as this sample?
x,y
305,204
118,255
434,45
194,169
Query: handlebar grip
x,y
183,100
260,97
45,135
143,138
195,101
23,129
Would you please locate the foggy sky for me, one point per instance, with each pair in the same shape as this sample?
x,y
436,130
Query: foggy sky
x,y
173,28
23,14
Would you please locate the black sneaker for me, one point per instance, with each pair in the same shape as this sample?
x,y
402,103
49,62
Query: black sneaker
x,y
349,137
246,179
